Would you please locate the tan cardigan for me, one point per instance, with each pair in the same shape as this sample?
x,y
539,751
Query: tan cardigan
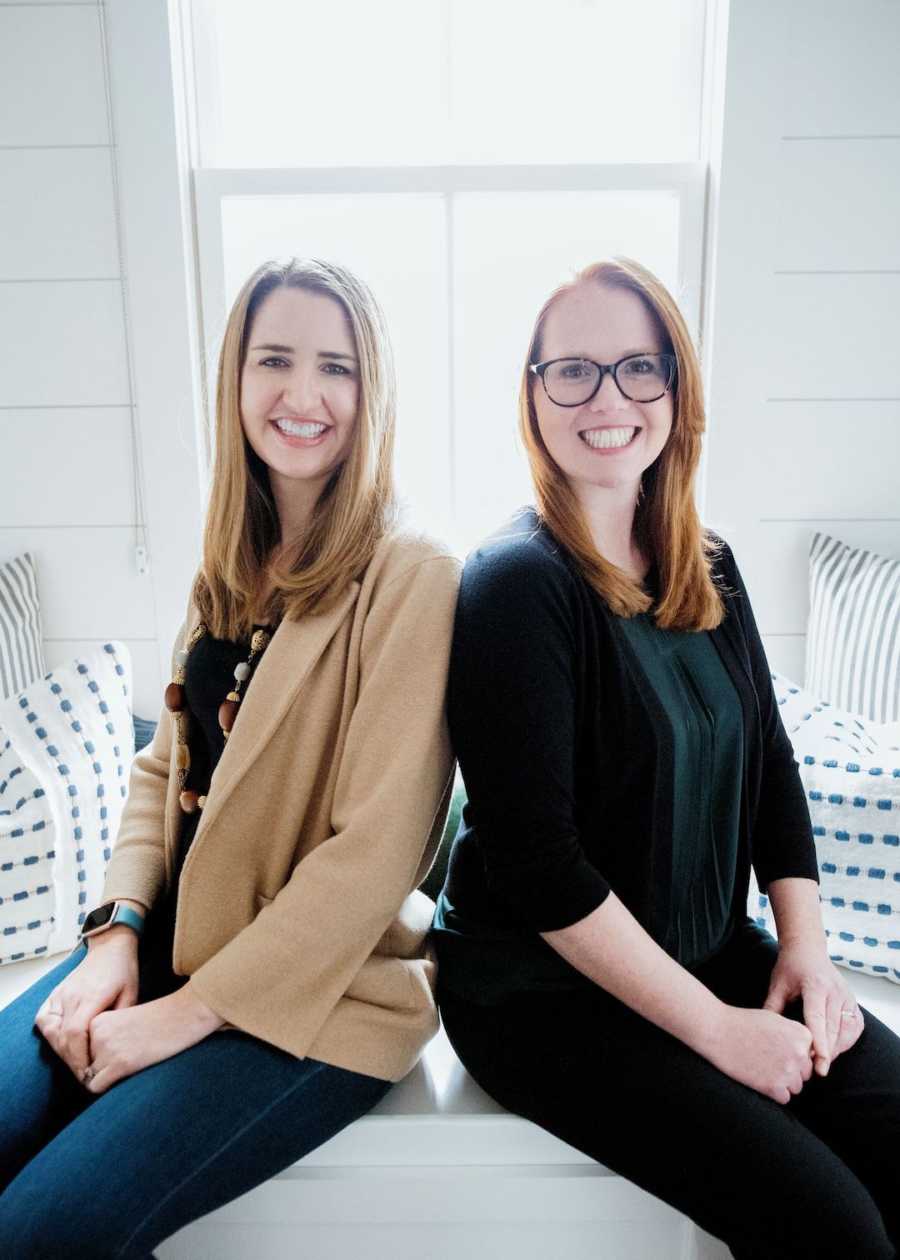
x,y
298,918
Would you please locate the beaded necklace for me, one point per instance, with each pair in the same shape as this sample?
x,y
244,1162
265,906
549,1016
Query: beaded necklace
x,y
176,703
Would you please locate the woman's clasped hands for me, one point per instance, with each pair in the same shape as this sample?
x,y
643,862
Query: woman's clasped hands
x,y
91,1019
776,1055
831,1013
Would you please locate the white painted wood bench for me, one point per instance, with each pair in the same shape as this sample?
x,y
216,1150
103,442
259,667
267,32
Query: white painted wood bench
x,y
438,1171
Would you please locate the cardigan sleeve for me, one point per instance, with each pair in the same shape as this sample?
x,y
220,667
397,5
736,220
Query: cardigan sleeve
x,y
782,842
512,709
303,950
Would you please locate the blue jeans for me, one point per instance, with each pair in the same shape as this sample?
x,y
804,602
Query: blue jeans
x,y
115,1174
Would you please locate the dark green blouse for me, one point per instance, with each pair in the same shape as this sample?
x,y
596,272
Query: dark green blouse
x,y
694,688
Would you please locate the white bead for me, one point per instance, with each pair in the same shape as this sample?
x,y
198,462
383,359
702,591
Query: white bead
x,y
181,657
242,671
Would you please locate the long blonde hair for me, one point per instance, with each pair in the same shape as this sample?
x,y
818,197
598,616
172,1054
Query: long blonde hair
x,y
357,505
666,524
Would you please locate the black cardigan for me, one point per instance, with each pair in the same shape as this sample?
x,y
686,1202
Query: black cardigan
x,y
565,767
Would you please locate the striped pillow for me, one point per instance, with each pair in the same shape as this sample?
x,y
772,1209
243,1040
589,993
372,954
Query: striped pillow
x,y
21,651
853,636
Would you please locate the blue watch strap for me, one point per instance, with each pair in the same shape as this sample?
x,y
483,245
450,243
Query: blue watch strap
x,y
130,918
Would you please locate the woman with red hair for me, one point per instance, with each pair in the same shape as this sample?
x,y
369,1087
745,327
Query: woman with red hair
x,y
625,763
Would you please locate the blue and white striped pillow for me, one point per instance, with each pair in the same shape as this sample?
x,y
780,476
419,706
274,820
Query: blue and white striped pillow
x,y
66,747
853,635
851,772
21,649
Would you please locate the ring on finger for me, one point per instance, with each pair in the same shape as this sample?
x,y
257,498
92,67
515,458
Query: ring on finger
x,y
845,1014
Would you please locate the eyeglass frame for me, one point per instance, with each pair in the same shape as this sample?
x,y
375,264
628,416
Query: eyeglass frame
x,y
603,368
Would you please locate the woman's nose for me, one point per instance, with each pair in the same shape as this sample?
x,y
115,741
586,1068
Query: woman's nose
x,y
302,390
608,397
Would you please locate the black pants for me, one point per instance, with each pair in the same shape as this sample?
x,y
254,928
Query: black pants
x,y
816,1177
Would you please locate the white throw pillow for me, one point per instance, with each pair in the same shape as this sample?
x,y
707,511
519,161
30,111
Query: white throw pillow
x,y
66,746
853,634
851,772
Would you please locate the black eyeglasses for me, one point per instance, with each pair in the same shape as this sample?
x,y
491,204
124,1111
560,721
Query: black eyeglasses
x,y
573,382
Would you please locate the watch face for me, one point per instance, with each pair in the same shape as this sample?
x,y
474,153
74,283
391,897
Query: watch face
x,y
97,918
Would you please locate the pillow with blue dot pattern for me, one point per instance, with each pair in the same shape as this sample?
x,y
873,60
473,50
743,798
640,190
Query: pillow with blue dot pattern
x,y
66,747
850,768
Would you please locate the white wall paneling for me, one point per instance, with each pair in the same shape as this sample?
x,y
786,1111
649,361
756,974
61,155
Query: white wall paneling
x,y
79,456
838,204
739,288
62,344
87,582
159,269
51,76
57,214
826,458
839,75
833,336
805,383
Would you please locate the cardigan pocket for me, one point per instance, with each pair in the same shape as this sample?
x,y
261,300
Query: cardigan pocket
x,y
384,982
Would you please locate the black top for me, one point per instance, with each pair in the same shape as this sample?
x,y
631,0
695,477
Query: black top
x,y
581,737
209,676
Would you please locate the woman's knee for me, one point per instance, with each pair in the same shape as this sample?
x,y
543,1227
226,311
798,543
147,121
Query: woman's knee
x,y
845,1222
43,1226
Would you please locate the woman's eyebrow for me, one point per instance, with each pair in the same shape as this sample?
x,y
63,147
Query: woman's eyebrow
x,y
627,355
323,354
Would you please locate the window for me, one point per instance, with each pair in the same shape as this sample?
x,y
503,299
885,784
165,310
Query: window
x,y
463,158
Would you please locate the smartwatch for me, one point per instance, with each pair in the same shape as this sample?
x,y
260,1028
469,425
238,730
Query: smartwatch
x,y
111,914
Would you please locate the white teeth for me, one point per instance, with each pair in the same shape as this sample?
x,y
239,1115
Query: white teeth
x,y
600,439
300,430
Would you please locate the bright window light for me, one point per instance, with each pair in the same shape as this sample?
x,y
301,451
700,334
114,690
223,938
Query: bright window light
x,y
347,83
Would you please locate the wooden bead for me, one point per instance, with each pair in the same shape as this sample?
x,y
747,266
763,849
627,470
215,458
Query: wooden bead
x,y
188,800
227,713
182,757
174,697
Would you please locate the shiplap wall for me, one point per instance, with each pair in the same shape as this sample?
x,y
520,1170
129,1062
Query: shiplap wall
x,y
805,376
66,491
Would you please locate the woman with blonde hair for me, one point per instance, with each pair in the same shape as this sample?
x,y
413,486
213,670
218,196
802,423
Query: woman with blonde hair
x,y
256,976
625,763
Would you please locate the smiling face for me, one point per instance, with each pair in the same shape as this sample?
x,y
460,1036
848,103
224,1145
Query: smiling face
x,y
300,389
610,440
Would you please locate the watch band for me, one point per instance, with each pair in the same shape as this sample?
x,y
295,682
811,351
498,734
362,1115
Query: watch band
x,y
128,917
121,914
